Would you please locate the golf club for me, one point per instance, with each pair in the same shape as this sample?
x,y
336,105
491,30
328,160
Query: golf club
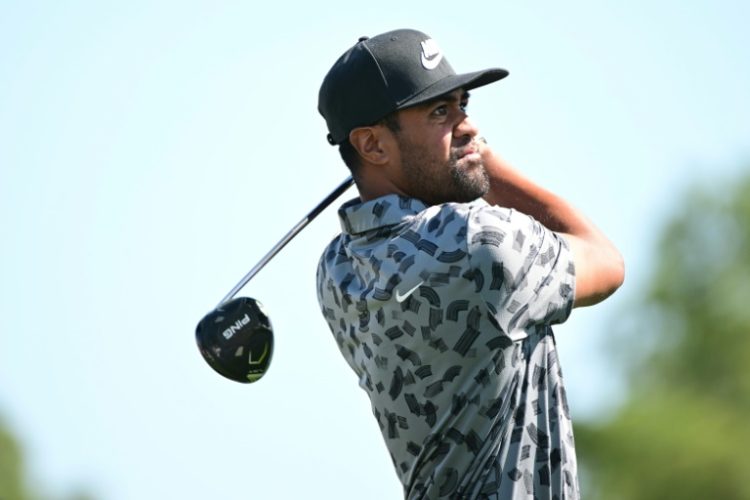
x,y
236,338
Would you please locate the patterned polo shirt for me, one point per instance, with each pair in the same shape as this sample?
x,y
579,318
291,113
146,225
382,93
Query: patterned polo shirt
x,y
444,314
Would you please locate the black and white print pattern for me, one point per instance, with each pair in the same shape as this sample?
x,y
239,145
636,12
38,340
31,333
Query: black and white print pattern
x,y
444,314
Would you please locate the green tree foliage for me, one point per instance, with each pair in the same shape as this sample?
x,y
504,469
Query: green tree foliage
x,y
684,431
13,472
12,485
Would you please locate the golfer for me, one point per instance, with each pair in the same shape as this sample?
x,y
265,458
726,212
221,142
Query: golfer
x,y
450,269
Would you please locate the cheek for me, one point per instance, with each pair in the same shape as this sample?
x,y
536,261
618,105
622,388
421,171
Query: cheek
x,y
432,145
441,145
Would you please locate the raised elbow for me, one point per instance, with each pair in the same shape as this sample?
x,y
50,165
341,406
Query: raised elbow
x,y
618,271
615,277
599,273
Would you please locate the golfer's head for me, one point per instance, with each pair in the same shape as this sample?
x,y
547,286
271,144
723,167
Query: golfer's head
x,y
396,108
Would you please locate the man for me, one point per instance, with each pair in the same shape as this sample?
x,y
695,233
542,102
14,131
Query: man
x,y
449,271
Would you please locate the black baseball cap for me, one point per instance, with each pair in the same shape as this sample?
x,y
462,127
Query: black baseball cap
x,y
385,73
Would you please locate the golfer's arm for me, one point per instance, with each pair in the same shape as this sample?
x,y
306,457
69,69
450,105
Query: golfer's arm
x,y
599,266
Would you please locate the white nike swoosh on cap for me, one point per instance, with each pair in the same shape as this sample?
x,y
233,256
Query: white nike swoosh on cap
x,y
402,297
431,62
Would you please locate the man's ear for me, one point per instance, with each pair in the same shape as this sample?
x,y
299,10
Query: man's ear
x,y
371,144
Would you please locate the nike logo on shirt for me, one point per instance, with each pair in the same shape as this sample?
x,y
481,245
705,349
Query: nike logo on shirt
x,y
400,297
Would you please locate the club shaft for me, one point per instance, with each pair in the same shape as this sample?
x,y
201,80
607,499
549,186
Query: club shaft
x,y
288,237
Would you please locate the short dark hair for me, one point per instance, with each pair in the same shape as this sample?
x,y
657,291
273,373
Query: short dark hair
x,y
349,153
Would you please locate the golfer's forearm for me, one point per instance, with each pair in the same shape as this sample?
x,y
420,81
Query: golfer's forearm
x,y
509,188
599,265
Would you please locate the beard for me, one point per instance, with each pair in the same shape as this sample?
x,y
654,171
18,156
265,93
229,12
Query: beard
x,y
434,180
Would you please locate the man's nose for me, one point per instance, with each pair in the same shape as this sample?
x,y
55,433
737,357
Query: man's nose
x,y
465,128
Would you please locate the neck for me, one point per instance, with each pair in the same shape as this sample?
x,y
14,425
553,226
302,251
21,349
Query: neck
x,y
373,183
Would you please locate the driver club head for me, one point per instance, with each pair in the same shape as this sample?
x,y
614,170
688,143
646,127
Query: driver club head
x,y
236,339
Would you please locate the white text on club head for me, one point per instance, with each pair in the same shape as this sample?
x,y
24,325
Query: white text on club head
x,y
236,327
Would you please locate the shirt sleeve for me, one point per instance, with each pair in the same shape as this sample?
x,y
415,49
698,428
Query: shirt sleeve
x,y
524,272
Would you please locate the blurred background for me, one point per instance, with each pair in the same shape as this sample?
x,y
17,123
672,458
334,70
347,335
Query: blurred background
x,y
152,152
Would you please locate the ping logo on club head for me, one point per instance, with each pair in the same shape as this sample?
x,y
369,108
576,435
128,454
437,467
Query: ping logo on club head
x,y
431,54
236,327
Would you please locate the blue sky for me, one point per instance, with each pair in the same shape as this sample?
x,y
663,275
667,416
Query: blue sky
x,y
152,152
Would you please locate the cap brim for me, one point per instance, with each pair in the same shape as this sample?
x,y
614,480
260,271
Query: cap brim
x,y
467,81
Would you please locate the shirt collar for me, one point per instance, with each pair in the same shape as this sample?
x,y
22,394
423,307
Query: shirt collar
x,y
358,217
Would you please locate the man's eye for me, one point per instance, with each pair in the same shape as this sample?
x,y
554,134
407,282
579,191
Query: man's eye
x,y
464,105
441,110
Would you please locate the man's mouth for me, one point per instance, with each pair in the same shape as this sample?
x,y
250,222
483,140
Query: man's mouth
x,y
469,153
